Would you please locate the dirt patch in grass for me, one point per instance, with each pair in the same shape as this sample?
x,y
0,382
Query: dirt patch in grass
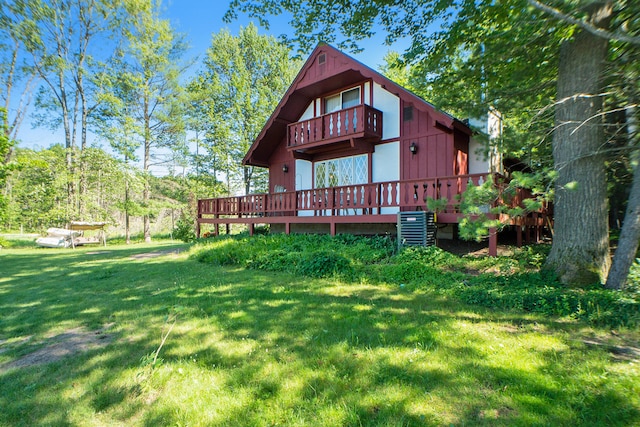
x,y
156,254
461,247
68,343
629,352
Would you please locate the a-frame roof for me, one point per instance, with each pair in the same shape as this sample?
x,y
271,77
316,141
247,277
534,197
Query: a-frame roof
x,y
338,70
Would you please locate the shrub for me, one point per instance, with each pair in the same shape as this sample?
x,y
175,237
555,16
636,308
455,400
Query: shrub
x,y
634,276
506,283
184,230
541,292
323,264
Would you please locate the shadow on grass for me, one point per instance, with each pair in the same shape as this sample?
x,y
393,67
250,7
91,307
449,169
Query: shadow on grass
x,y
282,350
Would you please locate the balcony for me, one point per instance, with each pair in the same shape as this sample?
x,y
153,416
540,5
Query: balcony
x,y
360,122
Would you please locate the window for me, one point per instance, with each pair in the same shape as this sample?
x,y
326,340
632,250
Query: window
x,y
346,99
344,171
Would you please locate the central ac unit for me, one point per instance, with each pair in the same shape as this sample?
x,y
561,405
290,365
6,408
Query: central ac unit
x,y
417,228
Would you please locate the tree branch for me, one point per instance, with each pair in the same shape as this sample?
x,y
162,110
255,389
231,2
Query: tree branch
x,y
599,32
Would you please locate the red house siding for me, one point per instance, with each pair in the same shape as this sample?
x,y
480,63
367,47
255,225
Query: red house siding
x,y
435,155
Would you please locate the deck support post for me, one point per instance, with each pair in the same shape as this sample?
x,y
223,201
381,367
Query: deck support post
x,y
332,228
197,229
519,235
252,229
493,242
287,228
216,229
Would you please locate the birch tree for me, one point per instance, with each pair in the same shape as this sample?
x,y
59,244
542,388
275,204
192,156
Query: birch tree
x,y
16,76
151,67
61,39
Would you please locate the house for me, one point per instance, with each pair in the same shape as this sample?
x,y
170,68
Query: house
x,y
347,149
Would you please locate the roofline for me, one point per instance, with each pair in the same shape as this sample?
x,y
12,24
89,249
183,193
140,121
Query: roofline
x,y
367,72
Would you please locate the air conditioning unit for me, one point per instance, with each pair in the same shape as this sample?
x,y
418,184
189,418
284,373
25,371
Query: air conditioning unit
x,y
417,228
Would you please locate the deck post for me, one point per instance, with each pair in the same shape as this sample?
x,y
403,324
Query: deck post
x,y
332,228
216,229
287,228
493,242
197,230
519,235
252,228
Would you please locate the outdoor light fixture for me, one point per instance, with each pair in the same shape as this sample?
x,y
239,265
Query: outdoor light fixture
x,y
285,168
413,148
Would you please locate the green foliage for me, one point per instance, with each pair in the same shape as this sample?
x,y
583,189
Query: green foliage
x,y
476,203
242,81
634,276
505,283
307,255
184,229
437,205
6,147
540,292
483,204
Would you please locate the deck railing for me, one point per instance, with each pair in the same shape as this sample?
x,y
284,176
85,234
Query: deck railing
x,y
361,119
357,199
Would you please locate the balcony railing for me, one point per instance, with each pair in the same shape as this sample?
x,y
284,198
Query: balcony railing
x,y
361,121
357,199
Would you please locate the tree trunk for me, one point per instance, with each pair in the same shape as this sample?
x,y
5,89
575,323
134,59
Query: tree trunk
x,y
146,165
127,232
580,250
630,233
629,236
246,171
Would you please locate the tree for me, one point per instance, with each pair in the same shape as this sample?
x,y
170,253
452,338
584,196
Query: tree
x,y
6,145
15,74
581,254
37,199
244,78
629,236
487,43
149,82
60,36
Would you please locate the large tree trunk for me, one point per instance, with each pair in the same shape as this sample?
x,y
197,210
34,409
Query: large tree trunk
x,y
580,251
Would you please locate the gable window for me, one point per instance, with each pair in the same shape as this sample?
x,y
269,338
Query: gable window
x,y
346,99
344,171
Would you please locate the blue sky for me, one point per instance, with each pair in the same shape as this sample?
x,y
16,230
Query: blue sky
x,y
198,20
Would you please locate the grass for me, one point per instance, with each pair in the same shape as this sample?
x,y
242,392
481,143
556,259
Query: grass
x,y
251,347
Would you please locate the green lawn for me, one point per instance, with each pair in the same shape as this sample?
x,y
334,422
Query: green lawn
x,y
167,340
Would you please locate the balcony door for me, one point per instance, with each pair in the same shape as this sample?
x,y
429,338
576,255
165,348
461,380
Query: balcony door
x,y
346,99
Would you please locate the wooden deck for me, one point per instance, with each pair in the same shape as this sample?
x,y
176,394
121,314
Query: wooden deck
x,y
373,203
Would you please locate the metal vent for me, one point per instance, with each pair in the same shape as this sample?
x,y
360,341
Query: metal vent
x,y
416,229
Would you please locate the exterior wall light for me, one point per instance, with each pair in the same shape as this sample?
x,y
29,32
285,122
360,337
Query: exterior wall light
x,y
413,148
285,168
